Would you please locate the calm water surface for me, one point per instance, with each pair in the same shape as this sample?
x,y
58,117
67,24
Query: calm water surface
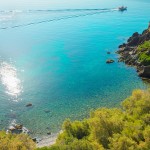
x,y
56,61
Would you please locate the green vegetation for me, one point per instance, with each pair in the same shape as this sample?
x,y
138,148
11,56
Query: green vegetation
x,y
144,53
127,128
144,46
15,142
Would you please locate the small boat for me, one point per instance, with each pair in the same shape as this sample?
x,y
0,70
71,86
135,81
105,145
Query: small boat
x,y
122,8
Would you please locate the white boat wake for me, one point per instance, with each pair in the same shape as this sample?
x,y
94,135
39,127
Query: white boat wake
x,y
87,12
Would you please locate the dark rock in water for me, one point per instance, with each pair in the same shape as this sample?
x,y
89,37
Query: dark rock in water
x,y
123,45
133,41
145,31
34,139
108,52
48,128
135,34
47,111
19,126
29,105
17,129
49,133
110,61
144,71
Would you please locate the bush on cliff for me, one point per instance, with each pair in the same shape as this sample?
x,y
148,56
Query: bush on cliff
x,y
127,128
144,53
15,142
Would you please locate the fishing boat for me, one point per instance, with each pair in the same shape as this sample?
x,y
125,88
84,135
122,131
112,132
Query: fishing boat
x,y
122,8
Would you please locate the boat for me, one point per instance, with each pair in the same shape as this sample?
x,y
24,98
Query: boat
x,y
122,8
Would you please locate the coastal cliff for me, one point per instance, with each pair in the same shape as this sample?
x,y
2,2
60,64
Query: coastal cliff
x,y
136,52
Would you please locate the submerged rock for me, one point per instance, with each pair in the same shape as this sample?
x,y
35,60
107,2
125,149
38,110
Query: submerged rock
x,y
123,45
47,111
48,128
17,129
144,71
110,61
29,105
18,126
49,133
36,140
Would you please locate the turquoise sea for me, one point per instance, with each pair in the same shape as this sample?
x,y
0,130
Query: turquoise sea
x,y
53,55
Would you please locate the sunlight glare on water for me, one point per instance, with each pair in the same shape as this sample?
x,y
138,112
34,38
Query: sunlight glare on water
x,y
8,77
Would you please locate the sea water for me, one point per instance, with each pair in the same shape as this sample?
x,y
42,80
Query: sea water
x,y
55,58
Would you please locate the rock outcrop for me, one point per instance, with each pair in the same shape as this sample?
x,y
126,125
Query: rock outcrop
x,y
29,105
17,129
136,52
109,61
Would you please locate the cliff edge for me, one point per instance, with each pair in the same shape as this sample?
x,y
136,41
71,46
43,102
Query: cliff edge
x,y
136,52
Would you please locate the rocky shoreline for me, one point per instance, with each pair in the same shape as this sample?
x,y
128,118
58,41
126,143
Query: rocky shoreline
x,y
136,52
48,140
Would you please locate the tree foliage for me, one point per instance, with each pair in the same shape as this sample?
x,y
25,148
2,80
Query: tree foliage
x,y
15,142
144,53
124,128
127,128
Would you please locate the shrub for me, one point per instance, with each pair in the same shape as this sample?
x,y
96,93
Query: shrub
x,y
144,53
15,142
127,128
